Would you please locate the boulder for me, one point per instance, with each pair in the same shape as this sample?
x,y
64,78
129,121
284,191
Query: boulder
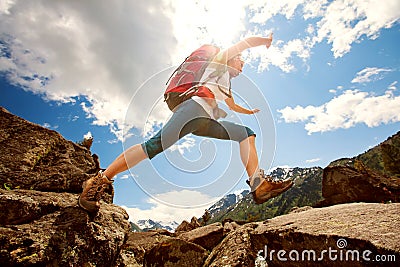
x,y
138,243
207,236
48,229
347,230
175,252
34,157
344,184
185,226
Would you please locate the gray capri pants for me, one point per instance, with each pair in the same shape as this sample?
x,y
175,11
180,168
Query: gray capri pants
x,y
190,117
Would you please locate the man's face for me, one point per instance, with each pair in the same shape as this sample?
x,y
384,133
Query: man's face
x,y
235,65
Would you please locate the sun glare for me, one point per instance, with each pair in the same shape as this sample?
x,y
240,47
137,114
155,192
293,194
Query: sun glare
x,y
217,22
224,21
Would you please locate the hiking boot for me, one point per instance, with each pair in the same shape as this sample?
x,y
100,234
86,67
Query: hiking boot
x,y
93,189
267,188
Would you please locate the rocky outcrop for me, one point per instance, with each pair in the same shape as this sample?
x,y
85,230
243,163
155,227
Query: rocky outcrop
x,y
36,158
342,184
373,176
40,222
347,228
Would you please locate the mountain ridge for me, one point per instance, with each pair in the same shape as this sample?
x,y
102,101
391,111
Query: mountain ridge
x,y
306,191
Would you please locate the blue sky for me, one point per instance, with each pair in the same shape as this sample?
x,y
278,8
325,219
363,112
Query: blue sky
x,y
327,87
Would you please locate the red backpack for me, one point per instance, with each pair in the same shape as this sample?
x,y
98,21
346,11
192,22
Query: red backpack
x,y
184,81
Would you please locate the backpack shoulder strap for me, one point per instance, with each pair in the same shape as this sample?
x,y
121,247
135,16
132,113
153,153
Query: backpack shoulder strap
x,y
218,73
176,70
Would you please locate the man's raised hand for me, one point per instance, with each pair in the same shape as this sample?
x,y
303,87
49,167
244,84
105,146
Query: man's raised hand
x,y
269,40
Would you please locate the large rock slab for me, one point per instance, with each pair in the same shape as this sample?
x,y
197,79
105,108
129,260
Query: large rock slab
x,y
175,252
207,236
48,229
345,229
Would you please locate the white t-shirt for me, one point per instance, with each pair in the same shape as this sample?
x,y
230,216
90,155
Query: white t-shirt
x,y
219,86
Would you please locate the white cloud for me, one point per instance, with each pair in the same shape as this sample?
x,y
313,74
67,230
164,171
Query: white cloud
x,y
345,22
49,126
369,74
262,11
339,22
104,53
314,8
5,6
73,48
186,143
345,111
280,54
299,114
166,213
313,160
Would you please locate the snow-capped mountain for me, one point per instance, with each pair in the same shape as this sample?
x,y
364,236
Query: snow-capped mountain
x,y
305,191
227,201
146,225
293,173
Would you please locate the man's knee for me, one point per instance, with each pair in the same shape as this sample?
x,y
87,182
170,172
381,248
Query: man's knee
x,y
250,136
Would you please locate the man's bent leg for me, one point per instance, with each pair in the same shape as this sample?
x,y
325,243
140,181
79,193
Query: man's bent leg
x,y
126,160
173,130
186,119
262,186
248,155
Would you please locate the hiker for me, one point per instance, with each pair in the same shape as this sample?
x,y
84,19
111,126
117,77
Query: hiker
x,y
195,110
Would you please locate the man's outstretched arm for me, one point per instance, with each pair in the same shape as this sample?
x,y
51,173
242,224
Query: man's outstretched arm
x,y
242,45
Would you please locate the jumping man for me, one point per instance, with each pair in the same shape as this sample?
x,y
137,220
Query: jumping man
x,y
199,115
